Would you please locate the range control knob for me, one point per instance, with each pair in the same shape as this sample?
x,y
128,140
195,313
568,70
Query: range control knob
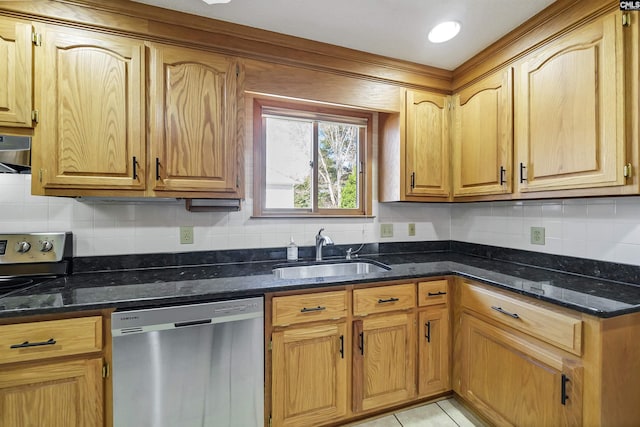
x,y
47,245
23,247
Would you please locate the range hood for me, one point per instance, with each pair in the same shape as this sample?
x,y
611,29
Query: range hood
x,y
15,154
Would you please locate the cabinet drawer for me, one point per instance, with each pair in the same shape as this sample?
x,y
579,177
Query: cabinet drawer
x,y
53,338
559,329
432,293
383,298
309,307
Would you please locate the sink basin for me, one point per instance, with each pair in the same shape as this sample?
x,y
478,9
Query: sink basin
x,y
328,269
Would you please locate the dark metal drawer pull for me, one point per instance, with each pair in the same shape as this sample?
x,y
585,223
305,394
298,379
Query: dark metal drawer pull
x,y
514,315
435,294
157,169
361,343
308,310
502,174
428,331
342,346
392,299
27,344
563,389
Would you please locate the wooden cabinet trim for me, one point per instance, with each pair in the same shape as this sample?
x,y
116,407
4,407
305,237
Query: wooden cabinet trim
x,y
157,24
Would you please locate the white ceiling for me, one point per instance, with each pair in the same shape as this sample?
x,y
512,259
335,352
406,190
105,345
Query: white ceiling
x,y
393,28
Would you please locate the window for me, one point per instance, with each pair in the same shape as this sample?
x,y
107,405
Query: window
x,y
310,161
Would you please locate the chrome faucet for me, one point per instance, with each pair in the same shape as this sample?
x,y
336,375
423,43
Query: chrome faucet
x,y
320,242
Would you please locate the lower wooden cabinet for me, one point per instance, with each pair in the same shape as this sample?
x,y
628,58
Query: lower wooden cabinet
x,y
62,394
309,381
434,349
514,381
51,373
341,354
383,364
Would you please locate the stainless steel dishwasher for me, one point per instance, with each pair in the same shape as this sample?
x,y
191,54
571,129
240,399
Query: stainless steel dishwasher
x,y
186,366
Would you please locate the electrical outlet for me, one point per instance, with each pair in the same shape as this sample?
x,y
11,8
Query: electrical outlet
x,y
412,229
537,235
386,230
186,235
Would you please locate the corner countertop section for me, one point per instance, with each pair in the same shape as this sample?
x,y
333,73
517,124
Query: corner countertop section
x,y
179,285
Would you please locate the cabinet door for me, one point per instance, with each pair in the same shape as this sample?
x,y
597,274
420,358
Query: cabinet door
x,y
570,111
483,137
15,73
309,375
92,117
514,381
194,146
65,394
383,361
433,351
427,144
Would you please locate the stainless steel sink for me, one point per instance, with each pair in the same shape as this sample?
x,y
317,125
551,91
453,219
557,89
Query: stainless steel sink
x,y
328,269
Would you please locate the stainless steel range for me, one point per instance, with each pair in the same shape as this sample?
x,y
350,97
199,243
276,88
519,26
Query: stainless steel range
x,y
28,259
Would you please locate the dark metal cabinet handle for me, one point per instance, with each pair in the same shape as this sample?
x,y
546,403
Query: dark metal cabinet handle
x,y
522,168
157,169
413,180
342,346
435,294
563,389
428,331
309,310
361,343
503,171
499,309
135,168
392,299
28,344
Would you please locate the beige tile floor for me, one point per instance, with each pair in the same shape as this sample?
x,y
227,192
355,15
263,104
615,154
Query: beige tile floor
x,y
443,413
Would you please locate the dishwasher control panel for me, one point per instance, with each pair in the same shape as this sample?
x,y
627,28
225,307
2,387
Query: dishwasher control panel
x,y
163,318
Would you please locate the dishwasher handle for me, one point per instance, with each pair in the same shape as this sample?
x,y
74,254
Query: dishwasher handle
x,y
192,323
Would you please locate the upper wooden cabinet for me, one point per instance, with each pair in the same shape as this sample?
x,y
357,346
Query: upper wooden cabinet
x,y
95,115
483,137
15,73
92,118
192,105
570,106
414,150
427,144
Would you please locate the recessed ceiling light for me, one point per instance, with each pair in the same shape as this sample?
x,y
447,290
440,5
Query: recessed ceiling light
x,y
444,31
216,1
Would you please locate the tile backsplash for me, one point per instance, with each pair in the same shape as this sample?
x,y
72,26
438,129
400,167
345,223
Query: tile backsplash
x,y
114,228
606,229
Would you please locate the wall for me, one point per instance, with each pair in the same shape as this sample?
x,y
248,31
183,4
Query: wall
x,y
108,228
605,229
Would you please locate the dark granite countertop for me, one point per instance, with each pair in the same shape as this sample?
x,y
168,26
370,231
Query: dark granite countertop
x,y
158,286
